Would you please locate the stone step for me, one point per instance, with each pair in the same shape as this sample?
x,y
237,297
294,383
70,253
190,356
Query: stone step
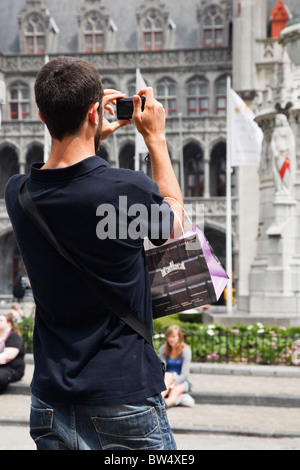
x,y
210,397
220,389
236,420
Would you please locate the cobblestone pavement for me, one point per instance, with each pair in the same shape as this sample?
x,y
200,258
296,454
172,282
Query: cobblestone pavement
x,y
204,427
17,438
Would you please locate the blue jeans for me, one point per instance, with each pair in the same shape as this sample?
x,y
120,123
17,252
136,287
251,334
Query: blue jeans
x,y
140,426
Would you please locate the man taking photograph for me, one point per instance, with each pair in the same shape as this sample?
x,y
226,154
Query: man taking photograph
x,y
97,383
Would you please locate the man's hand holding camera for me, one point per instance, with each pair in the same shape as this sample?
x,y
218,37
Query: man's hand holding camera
x,y
108,128
150,119
150,122
148,116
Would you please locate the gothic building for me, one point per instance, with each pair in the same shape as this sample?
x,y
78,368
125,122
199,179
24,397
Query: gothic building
x,y
185,51
185,54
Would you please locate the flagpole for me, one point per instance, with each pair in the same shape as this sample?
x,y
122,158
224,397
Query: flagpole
x,y
46,132
137,153
181,154
228,202
116,150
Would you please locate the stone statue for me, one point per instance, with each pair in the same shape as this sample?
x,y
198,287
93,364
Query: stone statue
x,y
283,151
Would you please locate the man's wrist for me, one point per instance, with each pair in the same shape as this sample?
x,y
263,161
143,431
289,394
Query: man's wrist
x,y
152,140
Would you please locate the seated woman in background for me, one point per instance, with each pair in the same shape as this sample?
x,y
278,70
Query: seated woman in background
x,y
177,357
12,351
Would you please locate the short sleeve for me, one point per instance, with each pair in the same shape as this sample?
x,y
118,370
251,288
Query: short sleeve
x,y
14,341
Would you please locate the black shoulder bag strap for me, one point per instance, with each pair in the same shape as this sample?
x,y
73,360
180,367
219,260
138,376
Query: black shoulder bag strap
x,y
98,289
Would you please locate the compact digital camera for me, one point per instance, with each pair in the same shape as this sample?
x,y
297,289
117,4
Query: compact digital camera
x,y
125,107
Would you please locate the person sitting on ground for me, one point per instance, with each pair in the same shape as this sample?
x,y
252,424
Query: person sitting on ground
x,y
12,352
177,357
17,312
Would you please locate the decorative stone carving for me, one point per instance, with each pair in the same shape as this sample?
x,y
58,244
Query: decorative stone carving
x,y
153,18
94,21
37,29
283,155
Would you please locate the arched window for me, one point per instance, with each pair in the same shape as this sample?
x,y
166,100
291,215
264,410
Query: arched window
x,y
11,262
103,153
193,170
213,29
19,102
35,35
127,156
197,101
93,34
218,171
217,240
108,84
9,166
34,155
153,36
166,95
131,88
17,264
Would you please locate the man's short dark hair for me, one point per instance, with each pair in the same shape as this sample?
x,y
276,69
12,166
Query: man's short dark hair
x,y
65,89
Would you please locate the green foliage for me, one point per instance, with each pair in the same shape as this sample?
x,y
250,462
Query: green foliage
x,y
240,343
26,328
255,344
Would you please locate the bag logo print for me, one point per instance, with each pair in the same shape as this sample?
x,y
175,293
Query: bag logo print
x,y
172,267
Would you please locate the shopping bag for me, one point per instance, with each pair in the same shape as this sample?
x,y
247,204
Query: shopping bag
x,y
184,274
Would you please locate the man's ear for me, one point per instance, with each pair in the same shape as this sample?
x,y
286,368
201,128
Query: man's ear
x,y
94,114
41,117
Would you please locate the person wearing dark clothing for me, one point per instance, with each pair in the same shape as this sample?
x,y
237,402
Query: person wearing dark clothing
x,y
12,352
88,362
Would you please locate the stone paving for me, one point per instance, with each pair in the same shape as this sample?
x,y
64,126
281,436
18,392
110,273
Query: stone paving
x,y
206,426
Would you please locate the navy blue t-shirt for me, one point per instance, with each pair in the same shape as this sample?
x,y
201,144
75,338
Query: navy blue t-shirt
x,y
83,353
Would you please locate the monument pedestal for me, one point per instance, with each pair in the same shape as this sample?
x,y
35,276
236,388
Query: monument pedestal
x,y
274,280
275,273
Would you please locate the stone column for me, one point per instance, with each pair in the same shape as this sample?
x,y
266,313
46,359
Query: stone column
x,y
206,172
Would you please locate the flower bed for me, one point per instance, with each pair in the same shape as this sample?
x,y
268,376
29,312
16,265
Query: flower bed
x,y
256,344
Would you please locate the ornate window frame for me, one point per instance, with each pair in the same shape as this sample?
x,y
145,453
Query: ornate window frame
x,y
94,33
19,101
96,29
194,169
35,35
156,29
166,92
38,32
221,96
214,24
198,96
213,27
153,31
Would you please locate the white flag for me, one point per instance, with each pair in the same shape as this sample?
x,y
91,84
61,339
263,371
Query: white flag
x,y
140,146
246,135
